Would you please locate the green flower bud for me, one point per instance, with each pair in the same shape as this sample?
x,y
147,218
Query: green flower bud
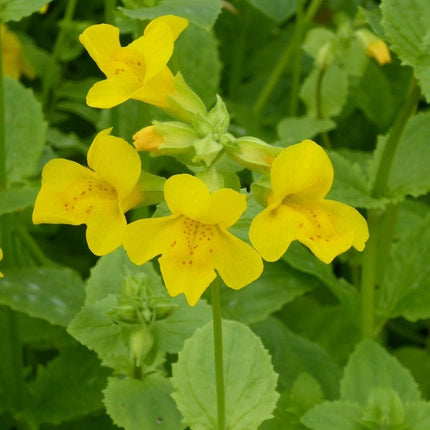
x,y
207,149
140,341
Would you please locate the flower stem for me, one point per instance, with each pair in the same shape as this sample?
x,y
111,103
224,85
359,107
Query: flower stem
x,y
318,106
381,223
219,366
2,124
50,69
277,71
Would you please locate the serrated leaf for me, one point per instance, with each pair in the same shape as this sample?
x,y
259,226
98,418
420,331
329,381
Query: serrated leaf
x,y
68,387
171,332
350,184
107,276
294,130
15,199
406,288
374,18
278,285
14,10
406,26
142,404
277,10
249,379
315,39
201,72
370,367
334,415
200,12
94,328
293,355
334,91
52,294
25,130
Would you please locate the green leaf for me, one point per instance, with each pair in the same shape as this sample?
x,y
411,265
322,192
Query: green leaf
x,y
334,91
294,130
14,10
200,12
315,39
406,26
412,151
201,72
107,276
142,404
293,355
249,379
334,415
68,387
406,288
350,184
417,415
171,332
374,18
94,328
52,294
25,130
278,10
278,285
15,199
300,258
370,367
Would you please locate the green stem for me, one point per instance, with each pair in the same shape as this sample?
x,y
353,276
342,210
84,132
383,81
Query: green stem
x,y
381,224
2,124
110,6
219,366
297,60
390,147
368,276
53,60
277,71
318,106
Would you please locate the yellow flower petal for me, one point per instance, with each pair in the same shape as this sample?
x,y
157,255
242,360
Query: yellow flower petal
x,y
105,227
331,228
175,23
149,237
111,92
156,90
63,197
186,195
1,258
237,263
272,231
102,43
225,208
116,162
303,169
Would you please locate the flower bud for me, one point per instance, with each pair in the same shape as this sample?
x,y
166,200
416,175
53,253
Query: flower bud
x,y
141,341
207,149
374,46
253,153
147,139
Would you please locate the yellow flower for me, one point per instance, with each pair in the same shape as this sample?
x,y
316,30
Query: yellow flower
x,y
147,139
1,258
13,62
301,177
138,71
379,51
194,240
97,197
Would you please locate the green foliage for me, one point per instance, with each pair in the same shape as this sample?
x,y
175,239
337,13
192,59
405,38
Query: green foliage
x,y
25,131
17,9
52,294
406,29
278,10
249,379
14,199
135,404
200,13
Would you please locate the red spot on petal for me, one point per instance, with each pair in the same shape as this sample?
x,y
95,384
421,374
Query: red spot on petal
x,y
301,225
311,238
173,244
190,262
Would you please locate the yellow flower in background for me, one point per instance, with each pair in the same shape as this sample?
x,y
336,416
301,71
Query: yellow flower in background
x,y
301,177
13,63
194,240
379,51
1,258
97,196
138,71
147,139
374,46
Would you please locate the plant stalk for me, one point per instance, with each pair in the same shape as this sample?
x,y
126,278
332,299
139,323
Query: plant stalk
x,y
279,68
2,124
218,351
